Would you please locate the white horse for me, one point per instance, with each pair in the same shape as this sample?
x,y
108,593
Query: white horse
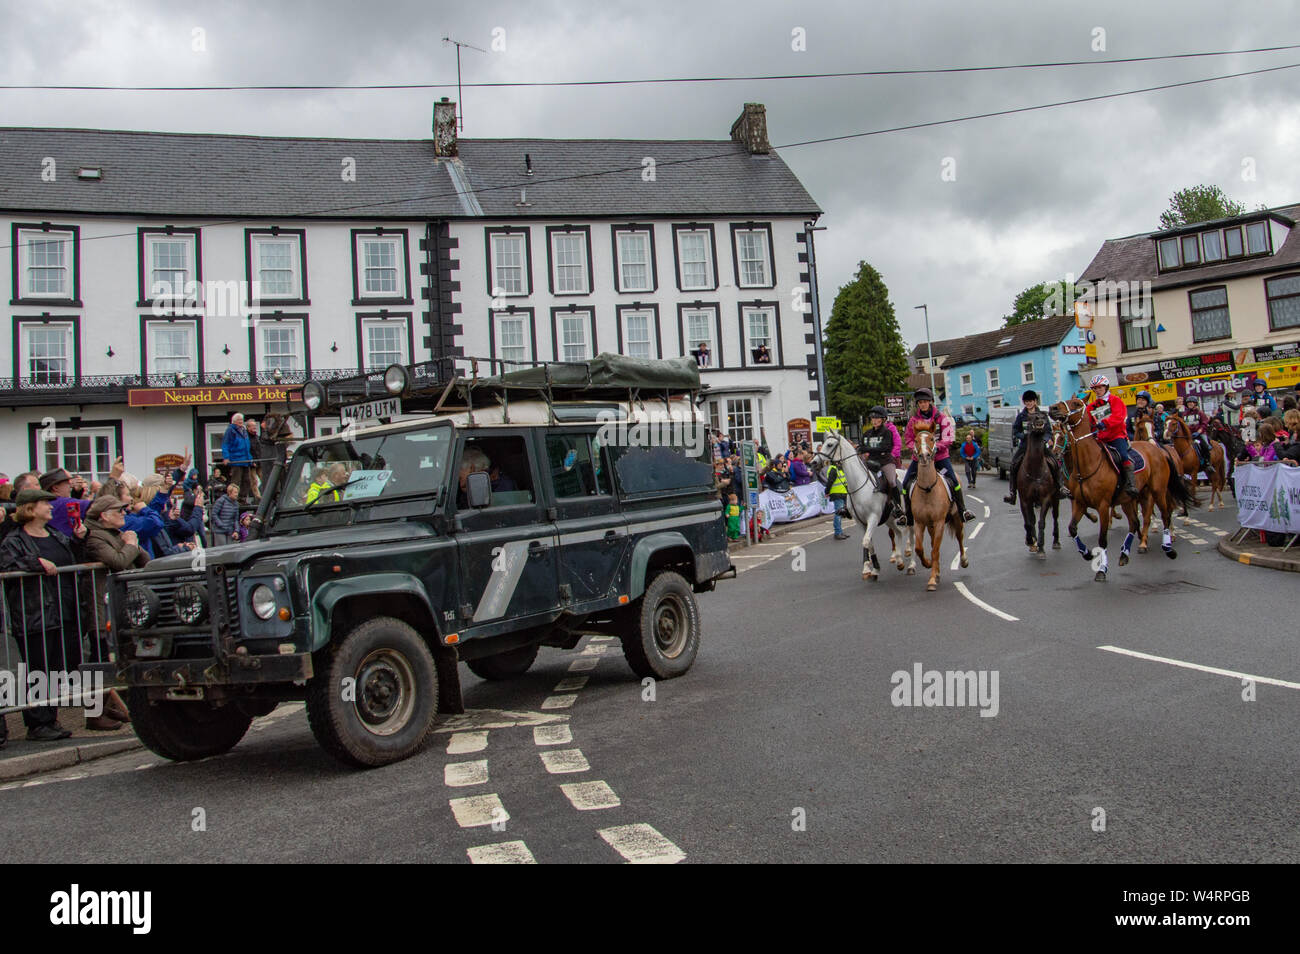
x,y
868,497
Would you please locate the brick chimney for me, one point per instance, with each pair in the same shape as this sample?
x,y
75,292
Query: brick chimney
x,y
750,130
444,128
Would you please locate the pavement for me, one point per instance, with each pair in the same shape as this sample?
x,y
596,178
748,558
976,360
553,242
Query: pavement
x,y
1149,718
1252,552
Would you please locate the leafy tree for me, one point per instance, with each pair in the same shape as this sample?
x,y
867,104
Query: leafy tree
x,y
1200,203
864,354
1039,301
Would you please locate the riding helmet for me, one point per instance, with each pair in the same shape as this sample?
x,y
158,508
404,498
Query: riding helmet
x,y
1099,380
1145,394
878,411
923,394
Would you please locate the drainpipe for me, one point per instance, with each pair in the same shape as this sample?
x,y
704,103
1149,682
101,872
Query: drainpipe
x,y
815,301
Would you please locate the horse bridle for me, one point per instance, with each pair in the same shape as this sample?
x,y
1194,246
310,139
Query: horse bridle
x,y
1081,410
819,453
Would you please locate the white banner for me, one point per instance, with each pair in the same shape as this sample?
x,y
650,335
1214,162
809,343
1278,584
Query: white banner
x,y
797,503
1268,497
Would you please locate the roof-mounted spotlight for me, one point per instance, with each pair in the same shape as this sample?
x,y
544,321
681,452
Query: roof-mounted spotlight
x,y
396,379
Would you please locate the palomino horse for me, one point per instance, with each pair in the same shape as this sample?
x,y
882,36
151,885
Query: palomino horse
x,y
1094,483
868,498
1180,435
1144,429
933,508
1037,487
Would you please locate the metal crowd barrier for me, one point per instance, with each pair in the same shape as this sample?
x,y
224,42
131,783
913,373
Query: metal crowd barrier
x,y
56,624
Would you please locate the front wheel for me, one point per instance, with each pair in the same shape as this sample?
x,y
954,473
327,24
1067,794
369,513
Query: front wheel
x,y
662,635
374,695
185,731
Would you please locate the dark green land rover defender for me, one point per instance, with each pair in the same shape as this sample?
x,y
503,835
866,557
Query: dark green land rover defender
x,y
522,510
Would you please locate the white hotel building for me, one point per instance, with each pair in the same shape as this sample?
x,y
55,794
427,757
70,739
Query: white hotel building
x,y
127,252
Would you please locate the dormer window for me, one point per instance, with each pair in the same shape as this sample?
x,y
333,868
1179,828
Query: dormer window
x,y
1212,243
1232,242
1169,253
1191,250
1256,238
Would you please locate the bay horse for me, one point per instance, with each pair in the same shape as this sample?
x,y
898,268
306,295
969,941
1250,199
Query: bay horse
x,y
933,508
1180,435
1095,483
868,499
1037,487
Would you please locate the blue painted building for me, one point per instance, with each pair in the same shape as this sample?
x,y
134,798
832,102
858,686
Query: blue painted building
x,y
994,368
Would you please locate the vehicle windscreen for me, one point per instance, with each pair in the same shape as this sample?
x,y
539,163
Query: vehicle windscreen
x,y
367,469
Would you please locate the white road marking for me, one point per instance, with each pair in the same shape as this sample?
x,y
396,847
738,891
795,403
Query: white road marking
x,y
460,774
552,735
782,552
987,512
1213,670
568,685
506,853
563,761
642,845
582,665
1220,533
589,796
1198,541
475,811
961,588
492,719
563,701
976,499
462,743
978,527
956,559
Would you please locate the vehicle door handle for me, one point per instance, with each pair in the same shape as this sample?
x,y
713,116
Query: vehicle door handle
x,y
536,548
611,536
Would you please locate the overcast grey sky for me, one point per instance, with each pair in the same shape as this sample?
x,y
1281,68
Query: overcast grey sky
x,y
1033,197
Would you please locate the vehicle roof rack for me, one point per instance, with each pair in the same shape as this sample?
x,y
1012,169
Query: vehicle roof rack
x,y
439,387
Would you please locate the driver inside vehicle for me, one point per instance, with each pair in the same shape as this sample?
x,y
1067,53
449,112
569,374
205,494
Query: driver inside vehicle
x,y
332,475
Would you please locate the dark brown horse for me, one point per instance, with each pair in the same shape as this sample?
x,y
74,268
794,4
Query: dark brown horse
x,y
1096,483
1037,487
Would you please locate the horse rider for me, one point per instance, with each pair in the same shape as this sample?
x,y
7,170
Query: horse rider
x,y
1030,401
1108,415
1264,401
882,447
1199,425
1141,406
945,433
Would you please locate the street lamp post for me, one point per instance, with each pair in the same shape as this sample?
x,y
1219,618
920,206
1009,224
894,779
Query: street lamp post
x,y
929,352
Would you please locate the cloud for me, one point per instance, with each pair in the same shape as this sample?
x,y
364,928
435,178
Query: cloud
x,y
1034,196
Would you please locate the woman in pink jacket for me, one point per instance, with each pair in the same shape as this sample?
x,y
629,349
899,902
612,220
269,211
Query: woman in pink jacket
x,y
946,432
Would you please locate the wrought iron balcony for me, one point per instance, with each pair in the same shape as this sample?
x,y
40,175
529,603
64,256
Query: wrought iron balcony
x,y
54,388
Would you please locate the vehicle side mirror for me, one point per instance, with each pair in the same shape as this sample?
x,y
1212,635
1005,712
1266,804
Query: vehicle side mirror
x,y
478,489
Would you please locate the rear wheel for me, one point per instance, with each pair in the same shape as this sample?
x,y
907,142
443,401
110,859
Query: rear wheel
x,y
507,665
185,731
661,634
374,695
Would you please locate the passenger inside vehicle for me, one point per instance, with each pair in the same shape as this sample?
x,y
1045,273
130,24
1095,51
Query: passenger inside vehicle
x,y
505,460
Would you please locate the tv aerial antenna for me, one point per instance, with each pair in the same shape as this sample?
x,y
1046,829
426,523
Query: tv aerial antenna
x,y
460,96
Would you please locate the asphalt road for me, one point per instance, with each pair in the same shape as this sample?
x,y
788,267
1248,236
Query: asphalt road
x,y
783,743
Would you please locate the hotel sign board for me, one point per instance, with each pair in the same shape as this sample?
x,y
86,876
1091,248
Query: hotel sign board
x,y
223,394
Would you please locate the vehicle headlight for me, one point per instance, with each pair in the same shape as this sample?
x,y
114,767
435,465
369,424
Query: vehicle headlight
x,y
191,603
141,606
263,600
313,395
395,379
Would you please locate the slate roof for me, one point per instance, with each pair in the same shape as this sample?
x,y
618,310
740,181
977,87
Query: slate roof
x,y
939,348
194,175
1026,336
1133,258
